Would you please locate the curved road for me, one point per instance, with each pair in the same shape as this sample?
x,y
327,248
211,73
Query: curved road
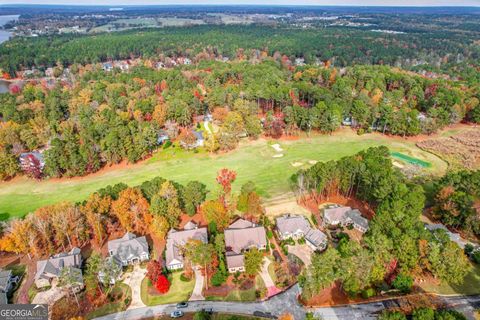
x,y
287,302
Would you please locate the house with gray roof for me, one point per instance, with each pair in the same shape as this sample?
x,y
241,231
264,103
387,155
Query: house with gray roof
x,y
241,236
50,269
7,282
129,249
344,216
176,240
297,227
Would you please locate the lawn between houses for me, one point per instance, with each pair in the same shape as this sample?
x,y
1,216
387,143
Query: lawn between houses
x,y
252,161
179,291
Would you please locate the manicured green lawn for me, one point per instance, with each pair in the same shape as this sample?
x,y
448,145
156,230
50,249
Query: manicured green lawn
x,y
179,291
470,286
252,161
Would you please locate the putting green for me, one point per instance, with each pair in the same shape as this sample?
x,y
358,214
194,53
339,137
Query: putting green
x,y
252,160
410,160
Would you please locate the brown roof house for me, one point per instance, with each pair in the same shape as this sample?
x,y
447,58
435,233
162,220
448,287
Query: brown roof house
x,y
241,236
129,249
49,270
297,227
337,215
177,239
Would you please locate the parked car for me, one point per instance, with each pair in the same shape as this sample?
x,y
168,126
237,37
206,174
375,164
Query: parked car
x,y
183,304
176,314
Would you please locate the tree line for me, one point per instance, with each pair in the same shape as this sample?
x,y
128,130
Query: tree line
x,y
109,117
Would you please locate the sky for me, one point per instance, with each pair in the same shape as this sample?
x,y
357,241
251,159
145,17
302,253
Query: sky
x,y
255,2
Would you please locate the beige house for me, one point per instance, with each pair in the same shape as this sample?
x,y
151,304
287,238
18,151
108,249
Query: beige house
x,y
338,215
297,227
241,236
177,239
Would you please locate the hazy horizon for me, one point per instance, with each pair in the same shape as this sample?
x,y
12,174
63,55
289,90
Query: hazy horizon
x,y
363,3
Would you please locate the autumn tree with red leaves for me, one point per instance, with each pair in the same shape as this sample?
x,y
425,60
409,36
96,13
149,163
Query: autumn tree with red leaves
x,y
154,270
225,178
162,284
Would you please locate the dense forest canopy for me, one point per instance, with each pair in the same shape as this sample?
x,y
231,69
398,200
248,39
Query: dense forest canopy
x,y
107,117
396,248
344,46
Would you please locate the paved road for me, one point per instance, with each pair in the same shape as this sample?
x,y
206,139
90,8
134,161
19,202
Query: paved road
x,y
287,302
277,305
367,311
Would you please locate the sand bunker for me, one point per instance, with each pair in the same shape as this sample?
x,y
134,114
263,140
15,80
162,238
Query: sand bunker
x,y
277,155
398,164
297,164
312,161
277,147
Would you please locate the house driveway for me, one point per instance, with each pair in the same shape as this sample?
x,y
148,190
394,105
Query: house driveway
x,y
197,293
303,251
134,280
269,283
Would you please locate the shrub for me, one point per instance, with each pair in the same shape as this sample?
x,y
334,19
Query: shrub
x,y
403,283
423,314
392,315
184,278
269,234
167,144
201,315
301,241
218,278
449,315
476,257
468,249
368,293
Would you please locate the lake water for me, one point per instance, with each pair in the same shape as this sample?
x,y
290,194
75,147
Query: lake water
x,y
4,86
5,35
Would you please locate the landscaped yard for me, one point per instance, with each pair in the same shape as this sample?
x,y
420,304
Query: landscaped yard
x,y
470,286
252,161
123,295
242,295
179,291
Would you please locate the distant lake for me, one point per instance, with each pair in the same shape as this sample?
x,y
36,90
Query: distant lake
x,y
4,86
5,35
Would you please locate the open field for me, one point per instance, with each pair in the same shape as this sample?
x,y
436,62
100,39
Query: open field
x,y
252,160
470,286
460,149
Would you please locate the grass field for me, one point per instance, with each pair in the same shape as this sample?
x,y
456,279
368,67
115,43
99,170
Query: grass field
x,y
470,285
252,161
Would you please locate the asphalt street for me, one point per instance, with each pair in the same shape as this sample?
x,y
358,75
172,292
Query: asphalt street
x,y
287,302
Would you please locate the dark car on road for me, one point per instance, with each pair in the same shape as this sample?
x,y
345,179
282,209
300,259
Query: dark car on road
x,y
183,304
